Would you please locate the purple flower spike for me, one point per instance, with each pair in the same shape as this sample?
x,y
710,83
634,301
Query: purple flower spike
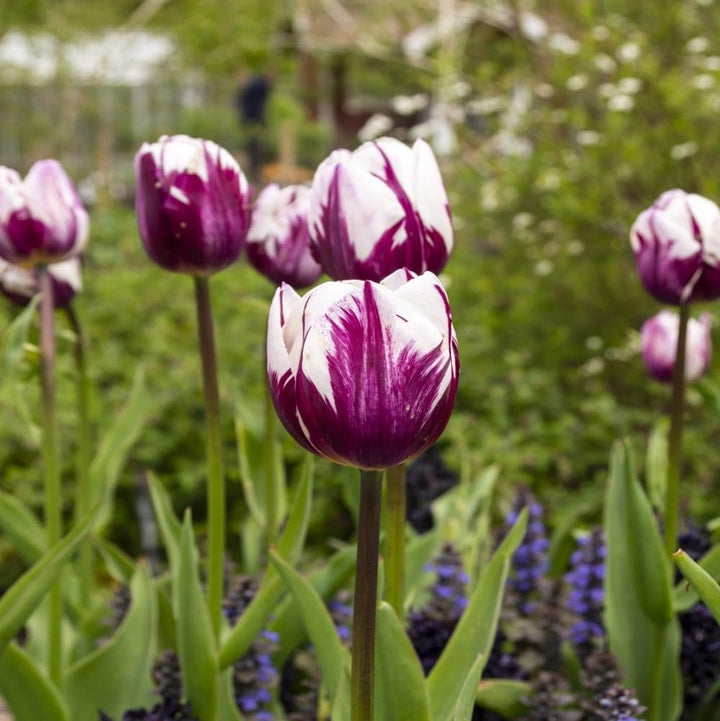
x,y
193,204
677,248
379,209
41,218
20,285
659,338
278,239
364,373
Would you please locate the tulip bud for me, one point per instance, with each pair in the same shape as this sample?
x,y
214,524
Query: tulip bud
x,y
379,209
278,240
659,338
192,204
677,248
42,220
364,373
20,285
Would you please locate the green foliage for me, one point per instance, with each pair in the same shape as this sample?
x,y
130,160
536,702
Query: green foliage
x,y
703,583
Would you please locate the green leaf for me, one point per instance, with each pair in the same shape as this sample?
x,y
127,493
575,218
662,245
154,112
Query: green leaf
x,y
475,632
341,704
419,550
170,527
112,453
634,637
504,697
333,575
118,564
332,656
21,527
16,336
466,700
227,707
196,648
684,596
117,676
703,583
292,540
397,667
25,594
28,693
656,464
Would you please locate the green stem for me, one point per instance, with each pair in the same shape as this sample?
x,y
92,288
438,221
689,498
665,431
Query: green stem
x,y
215,480
53,503
656,678
365,603
395,539
83,492
675,440
270,495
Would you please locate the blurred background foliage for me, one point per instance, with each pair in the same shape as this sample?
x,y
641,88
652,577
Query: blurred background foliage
x,y
556,123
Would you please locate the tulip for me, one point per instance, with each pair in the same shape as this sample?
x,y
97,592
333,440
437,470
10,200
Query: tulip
x,y
379,209
192,204
42,220
364,373
659,339
21,285
278,239
677,248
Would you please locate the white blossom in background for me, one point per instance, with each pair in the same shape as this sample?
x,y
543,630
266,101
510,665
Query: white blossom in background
x,y
683,150
563,43
487,106
575,248
601,32
544,90
544,268
587,137
712,63
628,52
409,104
375,126
577,82
629,86
607,90
621,103
704,81
697,45
532,26
604,63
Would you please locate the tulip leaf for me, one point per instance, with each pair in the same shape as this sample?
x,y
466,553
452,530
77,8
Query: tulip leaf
x,y
397,667
17,334
503,696
466,700
28,693
634,636
292,540
327,580
419,550
118,564
25,594
476,629
703,583
332,655
21,527
227,707
656,464
117,676
112,453
341,704
196,648
684,595
170,527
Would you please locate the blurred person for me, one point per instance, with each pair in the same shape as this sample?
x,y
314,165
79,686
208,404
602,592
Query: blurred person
x,y
251,104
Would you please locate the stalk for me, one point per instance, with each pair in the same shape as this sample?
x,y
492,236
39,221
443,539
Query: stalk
x,y
270,495
83,493
215,479
53,507
365,604
675,441
395,539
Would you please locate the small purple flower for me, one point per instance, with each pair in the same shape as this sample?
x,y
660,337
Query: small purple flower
x,y
379,209
20,285
278,242
42,219
364,373
193,204
677,248
659,338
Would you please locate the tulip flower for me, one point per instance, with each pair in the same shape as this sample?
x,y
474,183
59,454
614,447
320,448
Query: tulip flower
x,y
379,209
677,248
364,373
42,220
278,243
659,339
20,285
192,203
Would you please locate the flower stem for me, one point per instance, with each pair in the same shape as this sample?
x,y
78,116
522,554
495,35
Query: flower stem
x,y
675,440
365,603
270,495
83,491
53,507
656,677
215,480
395,539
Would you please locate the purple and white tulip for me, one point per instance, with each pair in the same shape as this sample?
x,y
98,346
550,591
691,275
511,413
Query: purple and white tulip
x,y
42,219
659,338
193,204
379,209
20,285
364,373
677,248
278,242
